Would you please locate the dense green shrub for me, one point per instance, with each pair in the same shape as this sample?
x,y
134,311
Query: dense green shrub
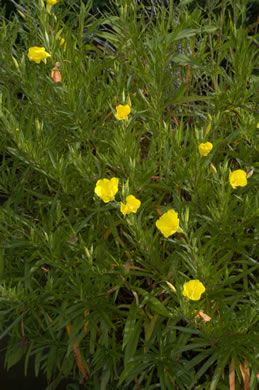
x,y
85,292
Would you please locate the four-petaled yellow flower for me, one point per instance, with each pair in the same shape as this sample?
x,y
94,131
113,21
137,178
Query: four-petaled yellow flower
x,y
193,289
238,178
52,2
205,148
107,189
122,112
168,223
132,205
38,54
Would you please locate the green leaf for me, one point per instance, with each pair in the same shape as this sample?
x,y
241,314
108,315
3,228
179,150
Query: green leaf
x,y
158,307
132,342
105,378
149,327
129,327
1,263
17,319
203,369
14,356
51,362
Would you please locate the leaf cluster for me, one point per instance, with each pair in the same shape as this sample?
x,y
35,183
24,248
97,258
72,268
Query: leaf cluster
x,y
84,291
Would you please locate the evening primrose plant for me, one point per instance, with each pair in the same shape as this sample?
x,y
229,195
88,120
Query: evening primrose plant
x,y
128,195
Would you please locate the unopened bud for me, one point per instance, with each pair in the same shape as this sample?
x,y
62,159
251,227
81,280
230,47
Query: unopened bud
x,y
15,62
213,167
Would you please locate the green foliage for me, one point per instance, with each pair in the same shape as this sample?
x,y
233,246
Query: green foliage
x,y
84,291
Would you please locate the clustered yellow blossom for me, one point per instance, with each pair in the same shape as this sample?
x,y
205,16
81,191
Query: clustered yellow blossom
x,y
193,289
106,189
205,148
168,223
238,178
132,205
38,54
122,112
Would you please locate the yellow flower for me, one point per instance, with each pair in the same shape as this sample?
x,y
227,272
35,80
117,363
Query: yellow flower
x,y
238,178
132,205
122,112
193,290
168,223
204,149
107,189
38,54
52,2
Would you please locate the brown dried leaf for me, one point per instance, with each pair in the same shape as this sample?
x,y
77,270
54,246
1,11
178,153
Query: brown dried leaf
x,y
232,376
55,75
245,374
